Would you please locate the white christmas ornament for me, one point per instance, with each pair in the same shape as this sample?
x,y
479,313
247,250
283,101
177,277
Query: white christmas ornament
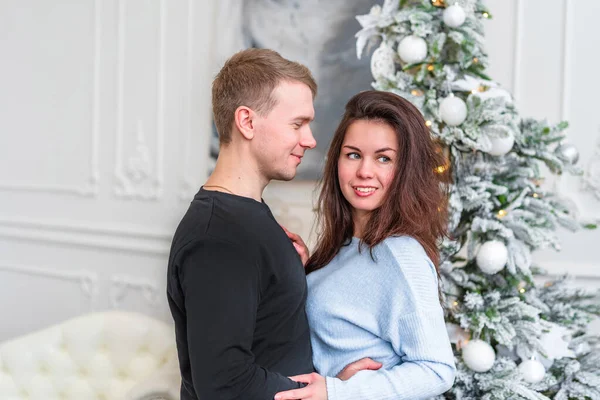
x,y
501,145
382,62
492,257
454,16
532,371
482,88
478,355
453,111
412,49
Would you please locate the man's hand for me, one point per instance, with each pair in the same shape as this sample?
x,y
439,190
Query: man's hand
x,y
360,365
299,245
315,390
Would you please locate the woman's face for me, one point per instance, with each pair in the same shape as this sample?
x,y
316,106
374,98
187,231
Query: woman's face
x,y
366,165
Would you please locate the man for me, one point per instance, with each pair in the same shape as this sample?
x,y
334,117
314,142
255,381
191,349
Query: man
x,y
236,285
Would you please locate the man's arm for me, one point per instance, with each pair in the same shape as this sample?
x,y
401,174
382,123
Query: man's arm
x,y
222,288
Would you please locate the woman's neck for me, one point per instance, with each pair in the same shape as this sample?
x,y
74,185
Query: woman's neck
x,y
360,219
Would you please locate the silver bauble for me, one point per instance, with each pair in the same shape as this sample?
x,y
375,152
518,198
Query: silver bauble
x,y
568,153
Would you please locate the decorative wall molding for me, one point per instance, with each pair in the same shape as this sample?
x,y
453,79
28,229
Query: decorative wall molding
x,y
88,281
134,176
191,183
566,59
139,239
188,184
120,286
90,187
591,177
517,49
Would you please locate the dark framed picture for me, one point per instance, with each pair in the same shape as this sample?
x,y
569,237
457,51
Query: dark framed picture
x,y
319,34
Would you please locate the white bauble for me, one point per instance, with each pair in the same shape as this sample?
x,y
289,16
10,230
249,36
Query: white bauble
x,y
453,111
382,62
532,371
454,16
412,49
478,355
501,145
492,256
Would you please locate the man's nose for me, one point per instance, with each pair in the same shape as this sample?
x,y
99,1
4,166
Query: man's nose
x,y
307,140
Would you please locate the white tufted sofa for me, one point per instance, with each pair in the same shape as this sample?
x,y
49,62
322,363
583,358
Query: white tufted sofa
x,y
102,356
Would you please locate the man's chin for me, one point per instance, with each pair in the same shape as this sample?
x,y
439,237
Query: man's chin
x,y
287,176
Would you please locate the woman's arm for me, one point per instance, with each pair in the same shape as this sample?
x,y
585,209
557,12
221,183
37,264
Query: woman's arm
x,y
427,367
412,321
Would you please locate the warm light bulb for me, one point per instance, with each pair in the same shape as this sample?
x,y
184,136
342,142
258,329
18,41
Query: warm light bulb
x,y
502,213
522,290
427,123
430,67
486,15
535,195
475,60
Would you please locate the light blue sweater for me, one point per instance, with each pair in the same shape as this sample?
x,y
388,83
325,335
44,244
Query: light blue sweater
x,y
388,310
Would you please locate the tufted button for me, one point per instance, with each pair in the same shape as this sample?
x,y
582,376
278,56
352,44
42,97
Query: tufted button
x,y
123,374
82,372
62,395
143,349
43,369
24,394
102,396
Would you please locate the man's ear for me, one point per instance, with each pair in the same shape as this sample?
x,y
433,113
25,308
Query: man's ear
x,y
244,121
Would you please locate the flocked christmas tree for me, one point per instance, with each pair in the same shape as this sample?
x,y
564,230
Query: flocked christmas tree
x,y
513,338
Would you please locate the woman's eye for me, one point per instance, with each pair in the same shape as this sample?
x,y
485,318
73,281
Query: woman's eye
x,y
384,159
353,156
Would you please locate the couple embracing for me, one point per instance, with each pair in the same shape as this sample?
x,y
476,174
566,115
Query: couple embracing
x,y
259,318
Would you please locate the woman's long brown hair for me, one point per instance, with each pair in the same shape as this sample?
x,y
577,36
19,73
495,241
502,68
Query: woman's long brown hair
x,y
416,202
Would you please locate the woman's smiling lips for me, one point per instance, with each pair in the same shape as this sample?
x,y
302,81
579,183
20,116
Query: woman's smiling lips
x,y
364,191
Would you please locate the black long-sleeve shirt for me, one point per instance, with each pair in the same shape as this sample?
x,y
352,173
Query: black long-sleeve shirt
x,y
236,289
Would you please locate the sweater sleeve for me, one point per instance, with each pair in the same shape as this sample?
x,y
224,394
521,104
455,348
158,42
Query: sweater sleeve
x,y
222,290
412,321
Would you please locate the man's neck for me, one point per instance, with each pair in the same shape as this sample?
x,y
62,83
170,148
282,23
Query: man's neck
x,y
238,176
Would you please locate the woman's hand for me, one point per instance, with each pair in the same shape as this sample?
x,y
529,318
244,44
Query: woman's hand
x,y
299,245
351,369
315,390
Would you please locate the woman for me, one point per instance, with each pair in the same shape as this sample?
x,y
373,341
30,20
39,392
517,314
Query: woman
x,y
373,282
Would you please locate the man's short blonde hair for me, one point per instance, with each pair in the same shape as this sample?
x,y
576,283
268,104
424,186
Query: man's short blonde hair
x,y
248,79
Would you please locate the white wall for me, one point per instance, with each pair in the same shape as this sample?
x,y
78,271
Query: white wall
x,y
104,129
104,115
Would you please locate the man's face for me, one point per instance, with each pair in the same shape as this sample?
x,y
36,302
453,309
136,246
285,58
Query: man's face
x,y
284,134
